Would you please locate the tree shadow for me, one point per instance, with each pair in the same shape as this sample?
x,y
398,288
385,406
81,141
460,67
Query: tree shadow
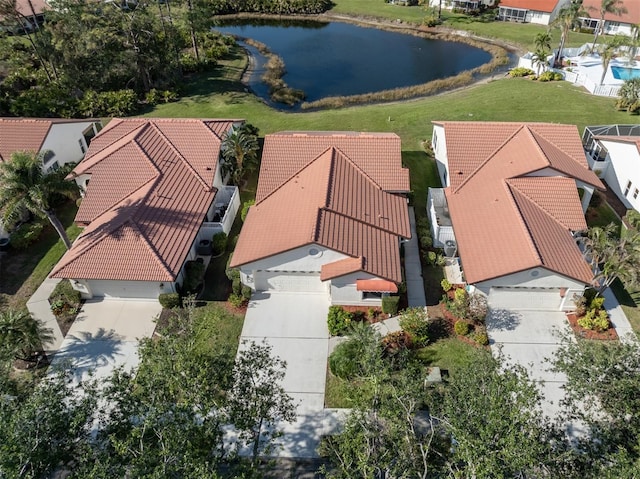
x,y
503,320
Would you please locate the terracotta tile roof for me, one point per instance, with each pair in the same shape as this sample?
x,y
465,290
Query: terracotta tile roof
x,y
505,218
378,154
341,267
150,188
18,134
632,14
24,7
537,5
331,201
376,285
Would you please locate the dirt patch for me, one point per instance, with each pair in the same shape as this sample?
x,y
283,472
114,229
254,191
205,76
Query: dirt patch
x,y
378,315
608,335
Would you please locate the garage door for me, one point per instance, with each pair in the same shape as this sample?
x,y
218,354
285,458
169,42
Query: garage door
x,y
289,281
525,298
125,289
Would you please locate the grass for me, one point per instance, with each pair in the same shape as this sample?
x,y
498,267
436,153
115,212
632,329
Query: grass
x,y
447,353
601,214
24,271
217,328
629,299
520,34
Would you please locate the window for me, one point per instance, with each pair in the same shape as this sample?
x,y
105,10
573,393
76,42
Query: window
x,y
627,188
371,295
82,148
435,142
53,167
635,193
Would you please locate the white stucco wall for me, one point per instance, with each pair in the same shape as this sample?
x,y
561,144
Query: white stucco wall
x,y
617,28
529,279
439,145
624,166
63,139
344,292
537,17
295,260
110,289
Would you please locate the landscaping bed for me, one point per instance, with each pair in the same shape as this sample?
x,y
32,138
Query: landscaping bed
x,y
580,332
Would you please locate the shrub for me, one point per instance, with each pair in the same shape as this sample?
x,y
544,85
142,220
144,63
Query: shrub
x,y
461,327
245,209
390,304
550,76
633,217
424,233
169,300
26,234
231,273
459,306
431,257
520,72
395,346
219,243
446,285
416,323
441,260
355,356
478,308
595,320
481,338
236,285
246,292
64,299
194,274
236,300
338,320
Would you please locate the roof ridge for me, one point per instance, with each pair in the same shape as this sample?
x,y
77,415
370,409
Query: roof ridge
x,y
272,192
483,163
358,168
179,155
147,243
511,182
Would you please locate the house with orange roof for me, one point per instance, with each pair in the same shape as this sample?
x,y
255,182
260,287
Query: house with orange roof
x,y
330,213
622,24
461,5
25,16
511,204
542,12
614,155
64,141
154,193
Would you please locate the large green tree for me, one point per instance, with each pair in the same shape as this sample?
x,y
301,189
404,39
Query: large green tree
x,y
25,186
567,19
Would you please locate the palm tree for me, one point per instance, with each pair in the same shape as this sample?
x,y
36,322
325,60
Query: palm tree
x,y
607,52
240,152
629,93
539,58
24,186
607,6
543,41
568,18
21,334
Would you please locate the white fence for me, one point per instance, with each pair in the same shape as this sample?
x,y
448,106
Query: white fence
x,y
591,86
229,198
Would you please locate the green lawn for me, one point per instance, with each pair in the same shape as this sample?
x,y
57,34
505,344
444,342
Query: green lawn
x,y
218,329
24,271
520,34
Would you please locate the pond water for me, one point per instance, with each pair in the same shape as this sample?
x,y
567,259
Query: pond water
x,y
338,59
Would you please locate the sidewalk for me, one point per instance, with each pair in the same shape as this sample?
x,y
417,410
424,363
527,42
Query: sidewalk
x,y
38,305
619,319
413,267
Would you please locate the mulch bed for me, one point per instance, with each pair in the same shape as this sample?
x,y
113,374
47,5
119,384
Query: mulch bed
x,y
378,315
38,359
608,335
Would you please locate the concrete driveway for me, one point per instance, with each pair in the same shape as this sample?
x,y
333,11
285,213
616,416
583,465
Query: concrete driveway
x,y
295,325
530,338
105,335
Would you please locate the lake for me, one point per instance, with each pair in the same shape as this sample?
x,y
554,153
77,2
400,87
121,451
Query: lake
x,y
340,59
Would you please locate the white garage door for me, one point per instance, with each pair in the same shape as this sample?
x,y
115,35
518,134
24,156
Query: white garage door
x,y
289,281
525,298
125,289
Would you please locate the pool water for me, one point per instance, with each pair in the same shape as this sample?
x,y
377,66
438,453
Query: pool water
x,y
625,73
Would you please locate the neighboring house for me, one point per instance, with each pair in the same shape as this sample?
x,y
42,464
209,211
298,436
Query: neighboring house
x,y
542,12
330,214
155,193
614,155
464,5
511,204
27,14
65,141
622,24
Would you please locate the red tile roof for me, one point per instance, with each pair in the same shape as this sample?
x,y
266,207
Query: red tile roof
x,y
536,5
341,267
632,15
378,154
505,218
331,201
151,185
376,286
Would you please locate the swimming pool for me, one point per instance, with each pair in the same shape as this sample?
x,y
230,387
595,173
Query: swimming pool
x,y
625,73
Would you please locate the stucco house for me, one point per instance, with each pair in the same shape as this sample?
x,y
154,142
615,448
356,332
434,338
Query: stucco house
x,y
330,214
153,191
26,15
65,141
622,24
613,152
510,207
542,12
465,5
